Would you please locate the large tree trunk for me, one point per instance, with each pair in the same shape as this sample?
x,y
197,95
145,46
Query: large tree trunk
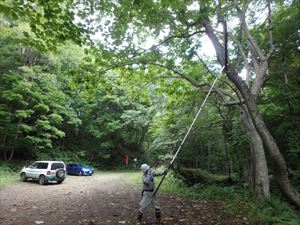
x,y
259,169
277,160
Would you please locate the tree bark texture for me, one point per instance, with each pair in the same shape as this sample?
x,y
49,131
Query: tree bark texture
x,y
259,173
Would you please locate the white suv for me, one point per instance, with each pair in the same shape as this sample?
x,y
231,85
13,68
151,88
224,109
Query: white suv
x,y
45,171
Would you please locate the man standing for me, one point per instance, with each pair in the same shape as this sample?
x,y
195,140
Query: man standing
x,y
134,162
148,196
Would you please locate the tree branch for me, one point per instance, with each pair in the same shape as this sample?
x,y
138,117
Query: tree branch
x,y
270,24
220,91
184,76
235,102
254,49
179,36
244,56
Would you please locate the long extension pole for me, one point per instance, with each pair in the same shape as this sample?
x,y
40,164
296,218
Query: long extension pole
x,y
190,128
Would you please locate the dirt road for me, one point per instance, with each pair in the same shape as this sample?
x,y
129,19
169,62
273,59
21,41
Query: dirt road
x,y
100,199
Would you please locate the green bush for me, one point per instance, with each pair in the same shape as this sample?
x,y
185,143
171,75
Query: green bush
x,y
9,172
237,200
272,212
59,155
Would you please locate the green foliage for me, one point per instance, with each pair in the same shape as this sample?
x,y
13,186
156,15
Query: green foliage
x,y
173,185
50,22
272,211
66,58
9,173
33,105
279,102
237,199
9,57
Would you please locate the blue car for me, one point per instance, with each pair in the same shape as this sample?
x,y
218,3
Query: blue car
x,y
79,169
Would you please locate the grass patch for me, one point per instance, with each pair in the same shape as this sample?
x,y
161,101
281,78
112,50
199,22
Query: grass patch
x,y
9,173
133,177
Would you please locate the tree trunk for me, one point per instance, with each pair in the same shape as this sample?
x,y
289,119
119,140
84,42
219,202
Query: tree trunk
x,y
4,156
227,131
277,160
278,163
259,172
196,158
208,158
2,145
11,155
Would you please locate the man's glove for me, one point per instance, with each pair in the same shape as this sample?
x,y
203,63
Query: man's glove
x,y
165,172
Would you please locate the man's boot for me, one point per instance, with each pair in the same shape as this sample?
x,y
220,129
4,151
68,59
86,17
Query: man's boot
x,y
159,221
158,216
139,219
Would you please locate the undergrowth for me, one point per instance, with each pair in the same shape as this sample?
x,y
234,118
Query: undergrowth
x,y
237,200
9,173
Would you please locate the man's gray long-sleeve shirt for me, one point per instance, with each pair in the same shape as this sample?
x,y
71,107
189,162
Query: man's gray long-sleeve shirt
x,y
148,180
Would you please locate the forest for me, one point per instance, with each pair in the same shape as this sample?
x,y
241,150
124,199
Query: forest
x,y
93,81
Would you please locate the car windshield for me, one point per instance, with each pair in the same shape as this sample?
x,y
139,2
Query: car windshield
x,y
82,165
56,166
34,166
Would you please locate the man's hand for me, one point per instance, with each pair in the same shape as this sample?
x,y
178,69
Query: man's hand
x,y
165,172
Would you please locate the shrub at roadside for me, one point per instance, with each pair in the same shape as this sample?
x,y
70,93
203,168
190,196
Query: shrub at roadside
x,y
194,176
9,172
238,200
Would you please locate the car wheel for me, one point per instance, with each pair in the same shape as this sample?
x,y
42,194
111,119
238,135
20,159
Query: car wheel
x,y
42,180
23,177
60,173
80,173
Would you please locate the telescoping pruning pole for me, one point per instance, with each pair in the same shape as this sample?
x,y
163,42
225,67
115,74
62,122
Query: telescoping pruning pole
x,y
187,133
